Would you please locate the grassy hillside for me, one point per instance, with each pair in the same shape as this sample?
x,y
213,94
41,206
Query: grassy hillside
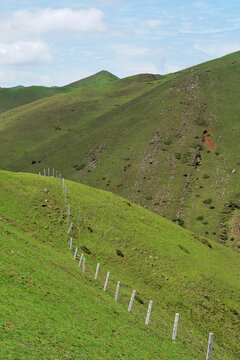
x,y
169,143
50,310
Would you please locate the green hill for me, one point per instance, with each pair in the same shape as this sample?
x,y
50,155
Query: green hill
x,y
169,143
50,310
11,98
99,78
17,96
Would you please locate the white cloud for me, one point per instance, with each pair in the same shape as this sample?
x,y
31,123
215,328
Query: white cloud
x,y
25,23
201,5
153,23
215,49
24,52
130,50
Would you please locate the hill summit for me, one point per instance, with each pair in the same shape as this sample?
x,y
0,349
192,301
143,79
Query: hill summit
x,y
98,78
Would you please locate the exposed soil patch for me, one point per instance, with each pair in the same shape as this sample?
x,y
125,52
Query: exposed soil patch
x,y
208,141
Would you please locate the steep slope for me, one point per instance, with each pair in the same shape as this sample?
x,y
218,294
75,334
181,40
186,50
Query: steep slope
x,y
51,310
169,143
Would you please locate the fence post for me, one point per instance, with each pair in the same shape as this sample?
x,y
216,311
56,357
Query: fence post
x,y
117,290
69,211
80,261
48,170
63,182
148,312
96,273
60,175
106,281
210,345
56,174
53,172
66,191
83,265
71,243
70,228
174,334
131,301
44,172
75,254
39,173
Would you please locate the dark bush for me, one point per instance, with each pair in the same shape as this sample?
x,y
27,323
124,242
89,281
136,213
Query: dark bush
x,y
199,218
86,250
207,201
119,253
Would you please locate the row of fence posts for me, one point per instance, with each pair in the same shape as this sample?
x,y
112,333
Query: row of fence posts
x,y
82,261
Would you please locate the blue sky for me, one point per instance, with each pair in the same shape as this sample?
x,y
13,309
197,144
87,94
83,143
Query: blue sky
x,y
57,42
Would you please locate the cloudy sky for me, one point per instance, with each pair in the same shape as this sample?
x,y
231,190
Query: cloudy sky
x,y
54,42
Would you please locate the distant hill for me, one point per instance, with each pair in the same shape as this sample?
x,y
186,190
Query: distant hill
x,y
51,310
98,78
169,143
20,95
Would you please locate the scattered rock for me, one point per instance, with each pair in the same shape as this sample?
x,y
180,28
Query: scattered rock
x,y
234,171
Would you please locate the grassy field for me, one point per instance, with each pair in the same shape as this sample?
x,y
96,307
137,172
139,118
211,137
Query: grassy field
x,y
169,143
50,310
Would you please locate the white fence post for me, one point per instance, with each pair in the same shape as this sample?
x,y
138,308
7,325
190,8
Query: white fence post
x,y
80,261
70,228
75,254
174,334
117,290
48,171
210,345
44,172
56,174
83,265
131,301
53,172
106,281
71,243
60,175
148,312
66,191
39,173
96,273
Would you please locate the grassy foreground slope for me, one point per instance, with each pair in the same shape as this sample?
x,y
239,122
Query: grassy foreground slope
x,y
51,310
169,143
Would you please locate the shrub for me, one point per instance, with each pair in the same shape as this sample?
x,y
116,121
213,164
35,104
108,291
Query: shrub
x,y
119,253
178,156
179,221
168,142
199,218
205,176
207,201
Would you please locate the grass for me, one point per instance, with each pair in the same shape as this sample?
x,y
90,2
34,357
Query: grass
x,y
51,310
165,142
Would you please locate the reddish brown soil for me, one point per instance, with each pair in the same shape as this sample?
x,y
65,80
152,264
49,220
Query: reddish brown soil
x,y
209,142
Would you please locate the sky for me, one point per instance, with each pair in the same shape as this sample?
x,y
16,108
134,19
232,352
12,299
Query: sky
x,y
55,42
